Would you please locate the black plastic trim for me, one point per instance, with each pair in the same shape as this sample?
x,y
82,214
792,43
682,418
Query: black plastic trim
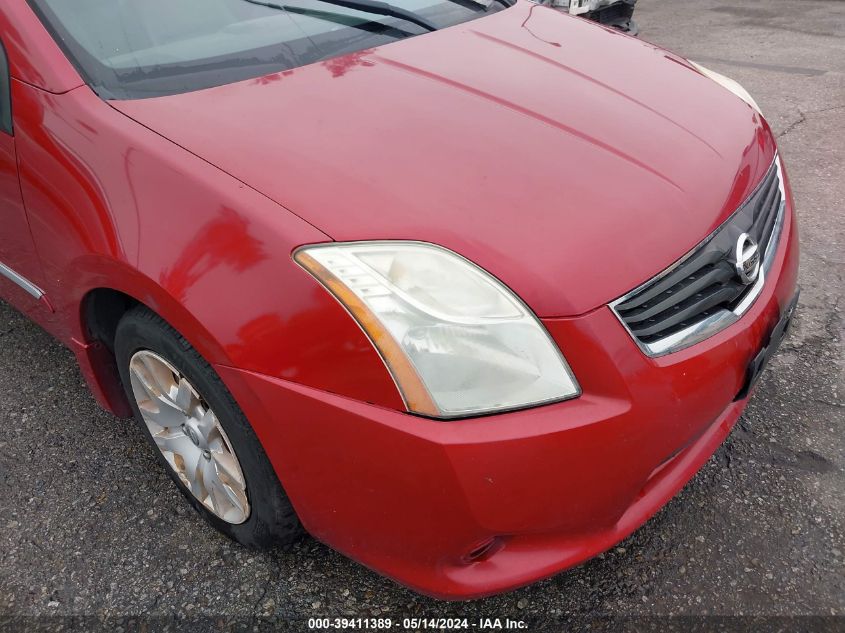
x,y
6,123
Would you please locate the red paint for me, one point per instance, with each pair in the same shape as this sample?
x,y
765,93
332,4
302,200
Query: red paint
x,y
15,240
559,484
33,55
571,177
430,139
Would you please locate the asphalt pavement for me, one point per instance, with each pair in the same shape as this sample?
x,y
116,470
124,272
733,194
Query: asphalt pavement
x,y
90,525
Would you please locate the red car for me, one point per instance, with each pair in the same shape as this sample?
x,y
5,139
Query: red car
x,y
466,289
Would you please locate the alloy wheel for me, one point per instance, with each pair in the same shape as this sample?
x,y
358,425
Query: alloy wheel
x,y
189,436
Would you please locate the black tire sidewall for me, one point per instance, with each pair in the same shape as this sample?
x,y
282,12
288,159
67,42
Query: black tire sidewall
x,y
271,516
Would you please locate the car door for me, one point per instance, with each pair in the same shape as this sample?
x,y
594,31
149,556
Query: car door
x,y
20,270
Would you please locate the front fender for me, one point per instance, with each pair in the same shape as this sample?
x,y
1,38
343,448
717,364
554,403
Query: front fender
x,y
115,205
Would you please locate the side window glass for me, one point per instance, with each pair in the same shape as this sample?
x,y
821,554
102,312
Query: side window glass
x,y
5,93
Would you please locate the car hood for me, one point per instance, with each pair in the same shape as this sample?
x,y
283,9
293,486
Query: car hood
x,y
569,160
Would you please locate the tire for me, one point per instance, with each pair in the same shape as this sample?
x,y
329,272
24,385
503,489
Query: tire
x,y
271,518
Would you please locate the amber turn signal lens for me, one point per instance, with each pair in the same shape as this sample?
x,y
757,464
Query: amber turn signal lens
x,y
414,393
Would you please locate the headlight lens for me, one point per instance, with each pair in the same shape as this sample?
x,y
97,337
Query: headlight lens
x,y
728,83
455,339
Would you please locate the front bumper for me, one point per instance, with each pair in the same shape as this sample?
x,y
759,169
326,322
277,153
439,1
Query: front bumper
x,y
554,486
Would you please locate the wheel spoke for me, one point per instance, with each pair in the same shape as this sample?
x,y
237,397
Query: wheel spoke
x,y
159,376
207,424
212,483
143,384
163,415
230,498
238,499
228,468
183,396
155,406
174,441
193,470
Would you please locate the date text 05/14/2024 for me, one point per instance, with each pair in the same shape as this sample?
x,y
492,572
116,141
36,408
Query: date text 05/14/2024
x,y
417,624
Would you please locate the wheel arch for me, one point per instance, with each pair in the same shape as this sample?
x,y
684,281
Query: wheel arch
x,y
286,327
103,293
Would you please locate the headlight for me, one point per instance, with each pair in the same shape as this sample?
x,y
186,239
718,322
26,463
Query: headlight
x,y
456,341
728,83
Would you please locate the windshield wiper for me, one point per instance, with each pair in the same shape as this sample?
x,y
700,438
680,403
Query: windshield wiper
x,y
368,6
372,26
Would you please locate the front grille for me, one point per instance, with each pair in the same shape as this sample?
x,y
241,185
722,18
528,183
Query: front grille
x,y
705,282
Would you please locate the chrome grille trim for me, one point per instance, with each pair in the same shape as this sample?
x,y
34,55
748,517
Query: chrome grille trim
x,y
724,318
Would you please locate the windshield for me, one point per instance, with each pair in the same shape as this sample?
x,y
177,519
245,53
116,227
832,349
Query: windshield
x,y
129,49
